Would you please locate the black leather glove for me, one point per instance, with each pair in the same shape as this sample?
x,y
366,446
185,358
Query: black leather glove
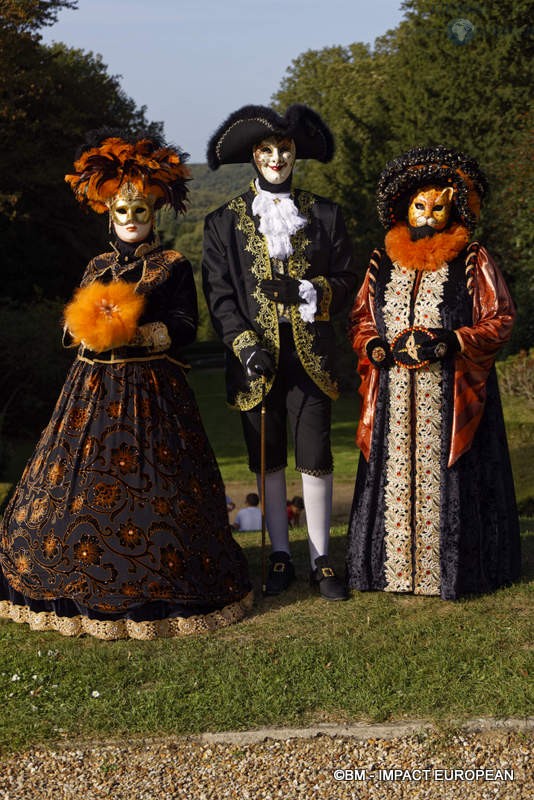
x,y
257,362
282,290
444,345
379,352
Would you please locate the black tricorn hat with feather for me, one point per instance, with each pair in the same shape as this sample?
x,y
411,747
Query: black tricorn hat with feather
x,y
233,141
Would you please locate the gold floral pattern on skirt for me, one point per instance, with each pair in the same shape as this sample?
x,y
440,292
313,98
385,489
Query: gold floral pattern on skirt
x,y
122,503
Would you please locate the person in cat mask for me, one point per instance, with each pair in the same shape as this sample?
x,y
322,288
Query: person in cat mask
x,y
434,509
277,266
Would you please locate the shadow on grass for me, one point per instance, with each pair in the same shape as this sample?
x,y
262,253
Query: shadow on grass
x,y
527,548
301,589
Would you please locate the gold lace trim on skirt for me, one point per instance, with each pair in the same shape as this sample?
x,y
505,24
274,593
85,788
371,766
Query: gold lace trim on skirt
x,y
127,628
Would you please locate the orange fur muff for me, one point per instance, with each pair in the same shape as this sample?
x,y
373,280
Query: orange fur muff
x,y
103,316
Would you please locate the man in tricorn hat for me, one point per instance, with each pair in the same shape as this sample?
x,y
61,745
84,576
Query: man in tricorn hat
x,y
277,265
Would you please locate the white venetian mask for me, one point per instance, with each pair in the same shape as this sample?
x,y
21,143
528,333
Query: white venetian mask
x,y
275,158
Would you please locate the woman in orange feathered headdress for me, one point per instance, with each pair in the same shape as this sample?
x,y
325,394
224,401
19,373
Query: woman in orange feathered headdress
x,y
118,527
434,508
130,180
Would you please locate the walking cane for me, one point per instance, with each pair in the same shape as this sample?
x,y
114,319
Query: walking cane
x,y
262,482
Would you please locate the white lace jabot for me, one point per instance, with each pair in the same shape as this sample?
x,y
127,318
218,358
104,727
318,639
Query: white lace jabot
x,y
279,220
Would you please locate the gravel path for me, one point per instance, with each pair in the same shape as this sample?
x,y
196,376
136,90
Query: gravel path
x,y
428,764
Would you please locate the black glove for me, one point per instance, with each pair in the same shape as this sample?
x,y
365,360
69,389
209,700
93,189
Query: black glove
x,y
282,290
379,352
444,345
257,362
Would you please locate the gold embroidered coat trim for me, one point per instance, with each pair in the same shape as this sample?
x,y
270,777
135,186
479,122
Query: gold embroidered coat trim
x,y
323,310
246,339
267,316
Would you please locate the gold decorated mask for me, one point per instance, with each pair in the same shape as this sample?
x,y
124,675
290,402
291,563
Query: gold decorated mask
x,y
275,158
431,207
130,206
132,214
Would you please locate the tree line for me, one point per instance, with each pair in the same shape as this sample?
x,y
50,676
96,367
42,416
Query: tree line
x,y
422,85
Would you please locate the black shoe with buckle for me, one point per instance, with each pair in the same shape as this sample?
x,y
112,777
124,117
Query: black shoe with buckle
x,y
326,580
281,573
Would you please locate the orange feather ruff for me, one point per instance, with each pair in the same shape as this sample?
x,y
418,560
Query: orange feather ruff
x,y
425,254
103,316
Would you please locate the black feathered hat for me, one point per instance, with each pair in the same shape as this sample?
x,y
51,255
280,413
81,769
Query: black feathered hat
x,y
422,166
233,141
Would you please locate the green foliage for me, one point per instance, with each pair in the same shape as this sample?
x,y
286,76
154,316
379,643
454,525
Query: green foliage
x,y
418,87
208,190
509,220
343,85
516,376
461,96
34,364
27,16
51,97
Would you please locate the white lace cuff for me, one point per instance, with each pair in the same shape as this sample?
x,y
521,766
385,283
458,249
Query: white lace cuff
x,y
307,309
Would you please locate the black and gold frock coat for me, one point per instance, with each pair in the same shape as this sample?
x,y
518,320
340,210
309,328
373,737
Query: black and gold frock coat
x,y
236,259
118,526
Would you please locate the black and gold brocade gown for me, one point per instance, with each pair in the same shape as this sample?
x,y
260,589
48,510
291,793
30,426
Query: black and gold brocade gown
x,y
118,527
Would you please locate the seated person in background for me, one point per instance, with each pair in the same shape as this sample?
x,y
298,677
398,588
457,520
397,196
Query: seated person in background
x,y
294,510
249,518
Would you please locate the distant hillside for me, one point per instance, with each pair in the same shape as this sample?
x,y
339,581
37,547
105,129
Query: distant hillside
x,y
207,191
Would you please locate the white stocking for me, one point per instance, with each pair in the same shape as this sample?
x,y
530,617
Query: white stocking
x,y
317,496
276,509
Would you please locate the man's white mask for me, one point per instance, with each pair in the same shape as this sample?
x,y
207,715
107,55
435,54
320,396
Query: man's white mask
x,y
275,158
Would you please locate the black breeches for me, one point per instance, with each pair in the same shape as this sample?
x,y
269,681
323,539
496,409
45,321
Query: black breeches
x,y
294,397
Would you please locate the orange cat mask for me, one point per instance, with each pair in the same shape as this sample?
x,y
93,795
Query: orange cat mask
x,y
430,206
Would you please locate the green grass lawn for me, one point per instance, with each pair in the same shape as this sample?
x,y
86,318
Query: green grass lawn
x,y
297,659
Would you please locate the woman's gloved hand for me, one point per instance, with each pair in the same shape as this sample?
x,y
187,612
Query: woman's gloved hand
x,y
153,335
444,344
379,352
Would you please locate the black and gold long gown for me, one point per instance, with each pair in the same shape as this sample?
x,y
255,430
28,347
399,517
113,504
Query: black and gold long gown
x,y
118,527
434,509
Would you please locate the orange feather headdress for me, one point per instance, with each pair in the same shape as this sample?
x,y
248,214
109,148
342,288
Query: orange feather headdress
x,y
158,173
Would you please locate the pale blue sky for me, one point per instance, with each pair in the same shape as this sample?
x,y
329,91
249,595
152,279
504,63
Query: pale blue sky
x,y
193,62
